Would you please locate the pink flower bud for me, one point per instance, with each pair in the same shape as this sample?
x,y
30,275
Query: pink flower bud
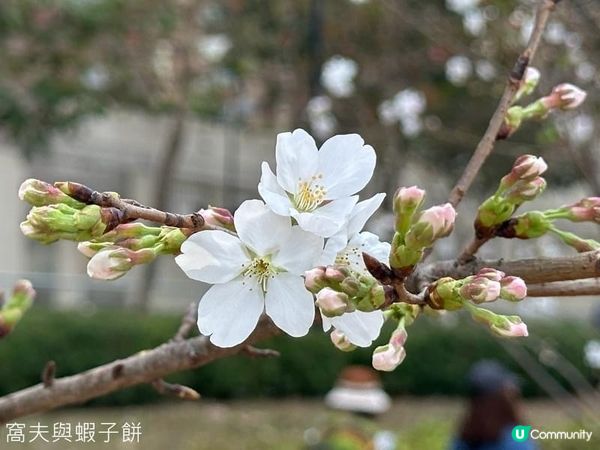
x,y
587,209
433,223
398,338
480,290
341,342
336,273
491,274
387,357
512,326
526,190
513,289
218,217
565,96
314,279
115,262
24,288
408,198
528,167
332,303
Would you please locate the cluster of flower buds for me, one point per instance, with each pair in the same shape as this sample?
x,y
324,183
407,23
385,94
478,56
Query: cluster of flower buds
x,y
563,97
534,224
522,184
340,290
487,285
15,307
56,215
415,231
505,326
115,253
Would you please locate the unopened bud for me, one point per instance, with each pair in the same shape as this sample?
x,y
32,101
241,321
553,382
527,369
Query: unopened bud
x,y
39,193
506,326
523,191
433,223
565,96
314,279
332,303
585,210
407,201
525,168
387,358
218,217
513,289
113,263
336,273
341,342
480,289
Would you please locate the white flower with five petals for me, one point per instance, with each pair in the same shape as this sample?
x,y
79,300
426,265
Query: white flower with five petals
x,y
346,247
317,187
258,270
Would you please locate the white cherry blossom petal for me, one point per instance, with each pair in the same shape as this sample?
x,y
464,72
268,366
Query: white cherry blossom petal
x,y
212,256
326,220
333,246
273,194
362,212
300,252
297,158
289,304
369,243
347,165
361,328
229,312
259,228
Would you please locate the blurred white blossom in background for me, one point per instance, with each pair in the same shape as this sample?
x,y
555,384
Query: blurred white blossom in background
x,y
321,119
458,69
338,75
461,6
406,107
214,47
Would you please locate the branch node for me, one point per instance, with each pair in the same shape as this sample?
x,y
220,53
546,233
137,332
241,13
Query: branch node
x,y
117,371
176,390
48,374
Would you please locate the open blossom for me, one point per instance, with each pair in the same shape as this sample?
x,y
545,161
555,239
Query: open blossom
x,y
346,248
258,270
317,187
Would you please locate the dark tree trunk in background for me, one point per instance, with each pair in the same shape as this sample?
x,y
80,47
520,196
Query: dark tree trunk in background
x,y
164,178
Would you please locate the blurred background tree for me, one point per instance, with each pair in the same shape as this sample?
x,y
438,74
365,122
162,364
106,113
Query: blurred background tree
x,y
417,79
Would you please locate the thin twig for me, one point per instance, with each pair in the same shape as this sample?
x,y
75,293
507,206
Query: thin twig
x,y
486,145
187,323
255,352
132,210
48,374
175,390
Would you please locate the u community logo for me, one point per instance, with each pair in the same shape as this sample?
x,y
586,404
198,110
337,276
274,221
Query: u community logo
x,y
520,433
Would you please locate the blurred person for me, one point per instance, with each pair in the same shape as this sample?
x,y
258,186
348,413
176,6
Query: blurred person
x,y
493,410
357,401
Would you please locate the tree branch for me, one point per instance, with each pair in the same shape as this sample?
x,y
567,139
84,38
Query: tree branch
x,y
143,367
532,270
590,286
133,210
486,145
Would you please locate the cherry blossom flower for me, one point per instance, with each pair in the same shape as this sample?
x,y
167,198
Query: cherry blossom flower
x,y
346,247
257,271
317,187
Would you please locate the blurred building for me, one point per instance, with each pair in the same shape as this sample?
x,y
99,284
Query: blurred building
x,y
219,165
